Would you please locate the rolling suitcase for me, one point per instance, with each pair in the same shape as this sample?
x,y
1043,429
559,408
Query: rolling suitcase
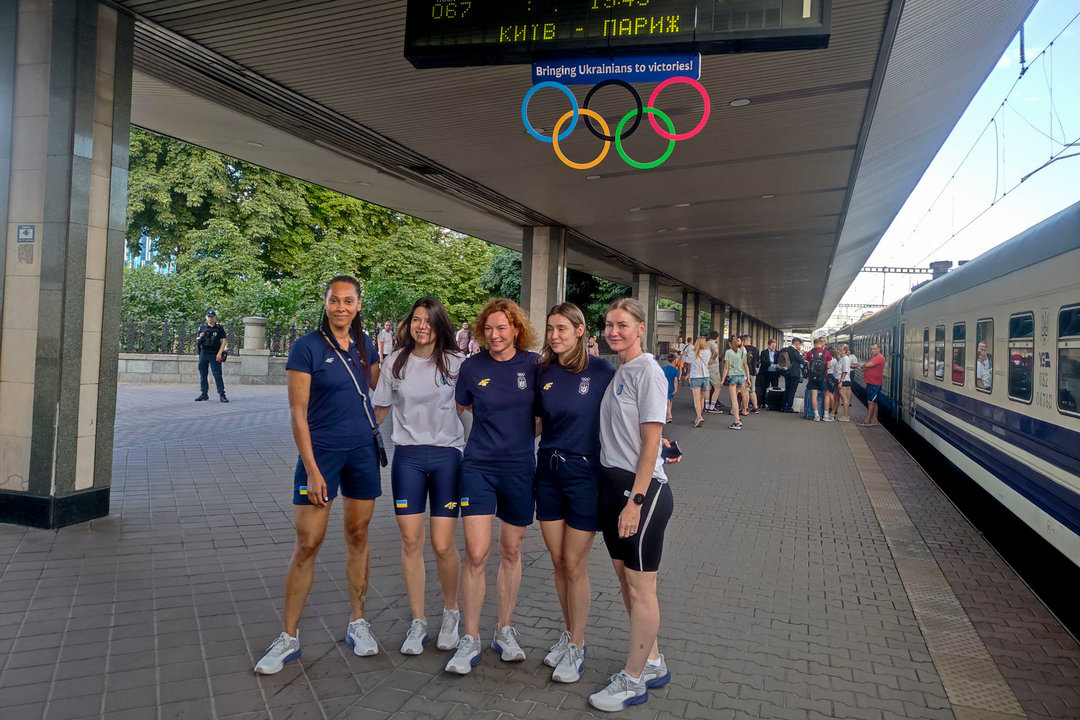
x,y
774,399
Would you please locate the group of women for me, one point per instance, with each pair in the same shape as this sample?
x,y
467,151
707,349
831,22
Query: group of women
x,y
599,468
707,369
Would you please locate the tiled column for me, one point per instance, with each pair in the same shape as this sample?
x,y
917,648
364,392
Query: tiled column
x,y
543,273
65,189
691,316
646,289
717,320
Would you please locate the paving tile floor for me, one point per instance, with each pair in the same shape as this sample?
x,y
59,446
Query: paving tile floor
x,y
779,595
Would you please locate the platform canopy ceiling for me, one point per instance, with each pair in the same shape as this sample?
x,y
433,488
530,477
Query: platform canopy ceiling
x,y
772,208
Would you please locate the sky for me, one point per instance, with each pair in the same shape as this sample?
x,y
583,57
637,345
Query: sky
x,y
960,208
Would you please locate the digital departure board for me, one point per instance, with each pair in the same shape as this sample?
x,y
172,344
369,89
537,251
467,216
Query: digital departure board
x,y
454,33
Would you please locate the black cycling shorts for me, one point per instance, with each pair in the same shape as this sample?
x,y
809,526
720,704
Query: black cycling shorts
x,y
642,550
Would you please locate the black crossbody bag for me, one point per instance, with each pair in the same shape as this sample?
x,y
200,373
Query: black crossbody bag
x,y
380,447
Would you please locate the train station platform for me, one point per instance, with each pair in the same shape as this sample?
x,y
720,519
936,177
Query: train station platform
x,y
811,570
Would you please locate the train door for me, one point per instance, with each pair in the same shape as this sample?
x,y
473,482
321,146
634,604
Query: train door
x,y
901,395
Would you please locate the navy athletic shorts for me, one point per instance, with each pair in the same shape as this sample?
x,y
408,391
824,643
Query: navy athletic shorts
x,y
511,498
819,385
566,489
872,392
419,472
642,550
354,472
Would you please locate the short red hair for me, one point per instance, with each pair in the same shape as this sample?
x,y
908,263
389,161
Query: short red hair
x,y
525,340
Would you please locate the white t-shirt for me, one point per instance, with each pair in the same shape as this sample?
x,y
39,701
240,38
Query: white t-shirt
x,y
984,372
715,360
850,361
387,340
836,367
423,401
699,365
687,352
637,394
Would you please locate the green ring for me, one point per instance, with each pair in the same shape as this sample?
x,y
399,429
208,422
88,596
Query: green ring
x,y
618,140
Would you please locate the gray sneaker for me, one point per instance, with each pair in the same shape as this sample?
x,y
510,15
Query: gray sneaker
x,y
570,665
656,675
621,693
506,644
448,633
467,656
557,650
283,650
359,638
416,638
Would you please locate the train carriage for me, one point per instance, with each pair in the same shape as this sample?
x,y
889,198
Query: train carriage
x,y
984,364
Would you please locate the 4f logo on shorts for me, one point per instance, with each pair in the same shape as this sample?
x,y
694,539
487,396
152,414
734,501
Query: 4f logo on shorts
x,y
329,360
522,382
484,382
583,386
452,505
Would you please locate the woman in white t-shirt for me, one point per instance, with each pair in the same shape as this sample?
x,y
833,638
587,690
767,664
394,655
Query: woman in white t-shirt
x,y
848,362
428,439
699,376
635,500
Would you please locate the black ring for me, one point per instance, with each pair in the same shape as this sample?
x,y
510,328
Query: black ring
x,y
637,118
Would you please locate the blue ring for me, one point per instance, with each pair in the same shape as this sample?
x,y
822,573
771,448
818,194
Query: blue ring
x,y
525,108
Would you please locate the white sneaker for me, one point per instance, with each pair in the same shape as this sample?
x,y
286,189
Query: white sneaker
x,y
845,418
557,650
448,633
828,418
467,656
506,644
283,650
359,638
570,665
416,638
817,418
621,693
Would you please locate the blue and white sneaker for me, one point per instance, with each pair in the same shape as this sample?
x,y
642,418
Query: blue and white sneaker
x,y
416,638
656,675
557,650
621,693
570,665
467,656
283,650
506,644
360,639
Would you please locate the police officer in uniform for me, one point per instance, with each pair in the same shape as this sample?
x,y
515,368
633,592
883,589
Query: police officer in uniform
x,y
211,342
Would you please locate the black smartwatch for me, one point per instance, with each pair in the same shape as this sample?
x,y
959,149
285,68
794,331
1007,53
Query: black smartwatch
x,y
638,498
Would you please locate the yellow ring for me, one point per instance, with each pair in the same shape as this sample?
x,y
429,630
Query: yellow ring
x,y
555,139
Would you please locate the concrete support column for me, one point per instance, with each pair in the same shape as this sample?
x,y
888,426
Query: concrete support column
x,y
691,316
543,273
646,290
254,355
717,321
65,102
734,319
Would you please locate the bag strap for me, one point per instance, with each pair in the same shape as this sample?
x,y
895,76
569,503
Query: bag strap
x,y
363,397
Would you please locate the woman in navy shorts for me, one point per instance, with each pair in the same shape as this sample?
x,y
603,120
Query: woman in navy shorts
x,y
428,440
635,500
572,383
498,385
330,374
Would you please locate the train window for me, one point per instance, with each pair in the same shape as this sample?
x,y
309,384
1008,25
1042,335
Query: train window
x,y
1021,356
984,357
1069,360
925,352
939,352
959,352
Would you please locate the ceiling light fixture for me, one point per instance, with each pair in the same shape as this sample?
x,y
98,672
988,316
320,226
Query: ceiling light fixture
x,y
682,205
768,196
741,102
634,209
682,244
252,143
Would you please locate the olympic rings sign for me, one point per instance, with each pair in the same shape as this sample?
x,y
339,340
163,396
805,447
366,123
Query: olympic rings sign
x,y
559,134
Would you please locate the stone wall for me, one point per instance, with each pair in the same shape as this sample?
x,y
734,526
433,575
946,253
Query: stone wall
x,y
237,370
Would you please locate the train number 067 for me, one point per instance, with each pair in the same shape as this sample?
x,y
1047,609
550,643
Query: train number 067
x,y
450,10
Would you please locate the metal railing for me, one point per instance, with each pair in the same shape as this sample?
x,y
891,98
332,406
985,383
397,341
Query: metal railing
x,y
170,338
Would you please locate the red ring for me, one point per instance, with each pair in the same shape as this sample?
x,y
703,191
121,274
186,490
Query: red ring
x,y
704,117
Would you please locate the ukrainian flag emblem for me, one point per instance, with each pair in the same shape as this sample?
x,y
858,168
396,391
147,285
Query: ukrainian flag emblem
x,y
464,502
401,503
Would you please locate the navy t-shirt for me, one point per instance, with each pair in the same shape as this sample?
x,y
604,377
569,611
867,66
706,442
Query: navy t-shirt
x,y
335,412
502,395
570,406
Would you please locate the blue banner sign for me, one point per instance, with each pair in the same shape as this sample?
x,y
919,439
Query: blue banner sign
x,y
629,68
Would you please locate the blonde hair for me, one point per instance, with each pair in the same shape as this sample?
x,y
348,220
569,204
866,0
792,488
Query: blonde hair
x,y
629,305
579,356
518,318
844,349
699,345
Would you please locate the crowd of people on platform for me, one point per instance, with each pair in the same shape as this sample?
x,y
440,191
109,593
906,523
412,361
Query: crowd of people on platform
x,y
752,378
599,468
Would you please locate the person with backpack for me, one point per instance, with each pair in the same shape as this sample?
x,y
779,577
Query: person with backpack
x,y
789,363
817,367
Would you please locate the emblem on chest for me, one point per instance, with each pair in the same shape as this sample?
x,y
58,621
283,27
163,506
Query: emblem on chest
x,y
522,382
583,386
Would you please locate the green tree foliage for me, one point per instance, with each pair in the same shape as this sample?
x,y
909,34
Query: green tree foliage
x,y
502,277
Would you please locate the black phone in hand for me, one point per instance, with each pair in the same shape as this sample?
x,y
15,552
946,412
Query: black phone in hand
x,y
671,451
